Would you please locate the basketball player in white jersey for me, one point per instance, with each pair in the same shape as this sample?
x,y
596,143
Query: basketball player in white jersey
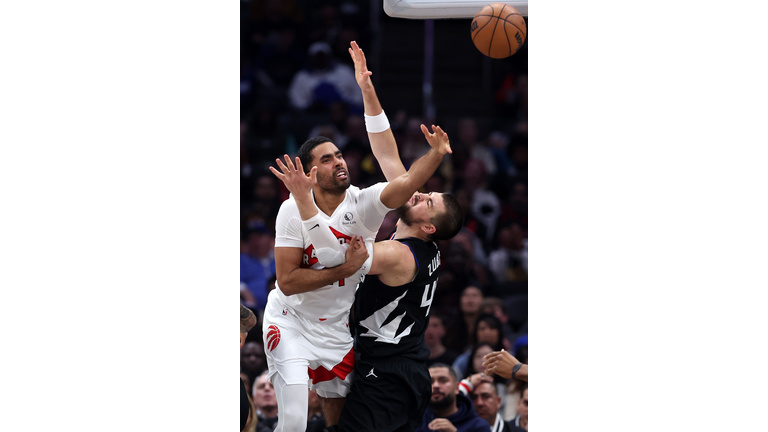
x,y
306,332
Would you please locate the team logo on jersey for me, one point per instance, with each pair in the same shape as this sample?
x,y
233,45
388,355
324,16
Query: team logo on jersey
x,y
273,337
349,219
285,311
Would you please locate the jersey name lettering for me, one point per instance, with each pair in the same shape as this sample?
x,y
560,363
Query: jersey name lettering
x,y
434,264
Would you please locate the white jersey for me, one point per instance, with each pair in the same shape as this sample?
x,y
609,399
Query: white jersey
x,y
361,213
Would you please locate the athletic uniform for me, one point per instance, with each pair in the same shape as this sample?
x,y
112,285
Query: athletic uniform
x,y
392,385
306,336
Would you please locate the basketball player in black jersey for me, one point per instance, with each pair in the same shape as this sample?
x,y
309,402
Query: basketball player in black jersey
x,y
392,385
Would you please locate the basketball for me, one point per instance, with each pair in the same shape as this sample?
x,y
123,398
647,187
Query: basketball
x,y
498,30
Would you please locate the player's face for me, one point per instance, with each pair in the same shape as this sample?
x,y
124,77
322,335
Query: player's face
x,y
332,175
421,208
444,387
485,400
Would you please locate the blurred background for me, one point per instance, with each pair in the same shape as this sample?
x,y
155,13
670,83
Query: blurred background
x,y
297,81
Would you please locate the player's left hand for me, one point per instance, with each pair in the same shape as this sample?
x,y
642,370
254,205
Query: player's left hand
x,y
298,183
437,140
442,425
362,74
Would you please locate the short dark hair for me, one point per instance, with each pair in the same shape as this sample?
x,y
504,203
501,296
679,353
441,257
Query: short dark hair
x,y
443,365
448,223
305,151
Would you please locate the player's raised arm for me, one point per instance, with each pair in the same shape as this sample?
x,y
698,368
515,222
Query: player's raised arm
x,y
382,140
330,253
399,190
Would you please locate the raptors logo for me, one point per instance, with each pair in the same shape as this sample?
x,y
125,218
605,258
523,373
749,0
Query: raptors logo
x,y
273,337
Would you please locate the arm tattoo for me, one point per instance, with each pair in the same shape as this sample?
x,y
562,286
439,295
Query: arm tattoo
x,y
247,319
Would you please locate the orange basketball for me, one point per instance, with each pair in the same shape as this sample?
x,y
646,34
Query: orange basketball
x,y
498,30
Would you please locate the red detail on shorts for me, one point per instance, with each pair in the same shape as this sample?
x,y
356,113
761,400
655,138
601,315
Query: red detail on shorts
x,y
273,337
322,319
341,370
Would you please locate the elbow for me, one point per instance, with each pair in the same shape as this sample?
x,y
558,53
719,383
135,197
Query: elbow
x,y
287,287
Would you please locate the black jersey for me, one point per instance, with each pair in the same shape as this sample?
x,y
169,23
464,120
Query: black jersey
x,y
391,321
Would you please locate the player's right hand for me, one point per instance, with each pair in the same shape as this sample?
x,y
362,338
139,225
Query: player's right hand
x,y
362,74
438,140
298,183
500,363
356,253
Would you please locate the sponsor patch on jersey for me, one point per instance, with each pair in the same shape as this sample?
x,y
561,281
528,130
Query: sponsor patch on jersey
x,y
273,337
349,219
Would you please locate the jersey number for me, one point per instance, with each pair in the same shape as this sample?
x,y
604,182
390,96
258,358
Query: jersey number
x,y
429,295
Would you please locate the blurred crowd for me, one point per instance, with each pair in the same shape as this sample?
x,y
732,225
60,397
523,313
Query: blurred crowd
x,y
296,82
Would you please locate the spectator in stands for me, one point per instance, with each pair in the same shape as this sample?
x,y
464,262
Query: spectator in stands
x,y
495,307
268,200
280,58
514,209
258,251
468,138
488,329
484,205
252,359
487,403
520,422
433,338
459,337
449,409
265,403
324,82
509,261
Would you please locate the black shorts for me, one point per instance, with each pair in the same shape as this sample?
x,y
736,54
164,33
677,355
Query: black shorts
x,y
386,396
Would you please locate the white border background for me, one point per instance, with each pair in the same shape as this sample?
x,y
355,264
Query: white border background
x,y
119,185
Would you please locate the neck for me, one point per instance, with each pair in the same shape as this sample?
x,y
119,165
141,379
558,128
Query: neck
x,y
326,201
404,231
524,423
448,411
491,420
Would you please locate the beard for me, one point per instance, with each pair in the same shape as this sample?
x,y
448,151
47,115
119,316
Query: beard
x,y
332,184
404,213
444,403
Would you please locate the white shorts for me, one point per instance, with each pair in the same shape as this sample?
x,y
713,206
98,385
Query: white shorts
x,y
319,354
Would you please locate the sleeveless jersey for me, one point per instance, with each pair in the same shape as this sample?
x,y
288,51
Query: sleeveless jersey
x,y
361,213
391,321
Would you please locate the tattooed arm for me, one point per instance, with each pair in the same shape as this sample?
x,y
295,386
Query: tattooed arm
x,y
247,319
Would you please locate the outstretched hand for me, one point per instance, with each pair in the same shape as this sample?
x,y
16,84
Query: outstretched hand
x,y
437,140
298,183
362,74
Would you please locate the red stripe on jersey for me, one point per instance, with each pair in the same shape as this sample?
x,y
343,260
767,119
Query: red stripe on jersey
x,y
341,370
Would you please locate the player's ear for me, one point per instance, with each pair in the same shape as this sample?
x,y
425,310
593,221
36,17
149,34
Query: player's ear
x,y
428,228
